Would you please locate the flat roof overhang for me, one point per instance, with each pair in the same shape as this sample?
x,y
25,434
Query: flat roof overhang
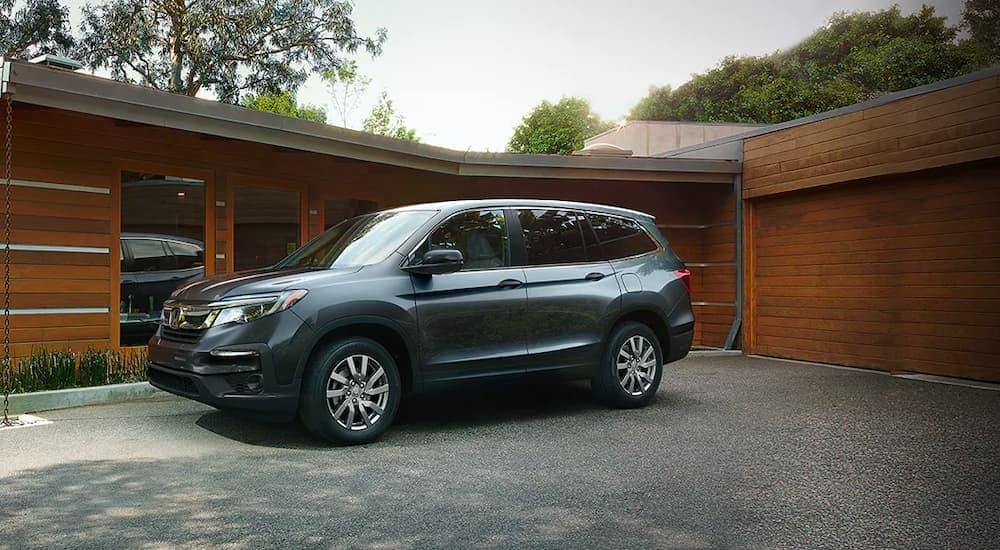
x,y
38,85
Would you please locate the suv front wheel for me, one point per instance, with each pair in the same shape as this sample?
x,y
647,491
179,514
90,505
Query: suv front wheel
x,y
351,391
631,368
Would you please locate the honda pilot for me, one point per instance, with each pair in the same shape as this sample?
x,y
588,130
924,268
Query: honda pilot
x,y
424,297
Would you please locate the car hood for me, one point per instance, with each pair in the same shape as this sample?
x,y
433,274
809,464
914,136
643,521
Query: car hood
x,y
258,281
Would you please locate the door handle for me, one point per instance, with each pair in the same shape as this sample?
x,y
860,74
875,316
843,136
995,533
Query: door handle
x,y
509,283
594,276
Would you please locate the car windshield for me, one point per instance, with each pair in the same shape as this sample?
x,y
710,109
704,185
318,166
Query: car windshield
x,y
358,241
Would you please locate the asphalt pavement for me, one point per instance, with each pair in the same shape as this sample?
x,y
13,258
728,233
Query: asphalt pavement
x,y
734,452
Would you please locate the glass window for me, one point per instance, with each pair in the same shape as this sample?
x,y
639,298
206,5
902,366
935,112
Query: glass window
x,y
620,237
265,225
480,235
358,241
148,255
186,256
156,209
553,236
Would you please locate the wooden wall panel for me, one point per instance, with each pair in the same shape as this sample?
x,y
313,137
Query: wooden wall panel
x,y
50,279
950,126
896,273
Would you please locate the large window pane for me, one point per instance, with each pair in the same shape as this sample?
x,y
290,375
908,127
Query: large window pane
x,y
265,226
162,246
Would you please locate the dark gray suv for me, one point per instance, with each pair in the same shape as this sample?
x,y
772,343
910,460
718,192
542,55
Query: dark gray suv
x,y
426,296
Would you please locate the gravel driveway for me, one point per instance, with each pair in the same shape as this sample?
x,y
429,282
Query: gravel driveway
x,y
735,452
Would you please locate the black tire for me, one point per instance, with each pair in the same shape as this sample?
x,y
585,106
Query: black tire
x,y
609,388
317,411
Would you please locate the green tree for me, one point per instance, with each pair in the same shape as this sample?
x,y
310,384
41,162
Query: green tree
x,y
227,46
982,19
557,128
385,121
854,57
347,87
283,104
32,27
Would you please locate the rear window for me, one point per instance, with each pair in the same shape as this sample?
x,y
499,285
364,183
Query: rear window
x,y
620,237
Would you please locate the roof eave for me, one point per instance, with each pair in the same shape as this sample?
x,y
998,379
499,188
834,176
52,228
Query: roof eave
x,y
102,97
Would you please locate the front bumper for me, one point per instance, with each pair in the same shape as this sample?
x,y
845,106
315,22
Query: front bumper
x,y
247,367
243,391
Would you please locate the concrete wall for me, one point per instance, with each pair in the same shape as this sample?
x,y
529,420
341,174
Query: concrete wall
x,y
647,138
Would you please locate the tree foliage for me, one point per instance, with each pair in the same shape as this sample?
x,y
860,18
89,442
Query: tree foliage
x,y
385,121
982,19
853,58
33,27
227,46
284,104
557,128
347,86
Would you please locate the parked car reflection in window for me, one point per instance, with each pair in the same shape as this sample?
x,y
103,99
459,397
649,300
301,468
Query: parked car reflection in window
x,y
152,266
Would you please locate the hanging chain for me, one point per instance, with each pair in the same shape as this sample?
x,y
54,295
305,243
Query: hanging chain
x,y
8,372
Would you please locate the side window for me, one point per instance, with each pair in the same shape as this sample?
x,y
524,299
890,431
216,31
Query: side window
x,y
620,237
553,236
148,255
480,235
186,256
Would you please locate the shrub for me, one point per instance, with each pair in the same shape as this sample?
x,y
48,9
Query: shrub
x,y
55,370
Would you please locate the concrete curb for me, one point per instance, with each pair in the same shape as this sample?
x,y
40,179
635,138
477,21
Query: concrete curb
x,y
78,397
715,353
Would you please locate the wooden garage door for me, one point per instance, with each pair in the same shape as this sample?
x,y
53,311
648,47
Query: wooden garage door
x,y
899,273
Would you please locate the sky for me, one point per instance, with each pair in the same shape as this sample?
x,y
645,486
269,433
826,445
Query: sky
x,y
464,73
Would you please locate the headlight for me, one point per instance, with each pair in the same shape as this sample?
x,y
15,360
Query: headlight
x,y
244,309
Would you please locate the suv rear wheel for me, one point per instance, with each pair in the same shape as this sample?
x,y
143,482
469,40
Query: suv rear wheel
x,y
351,391
631,368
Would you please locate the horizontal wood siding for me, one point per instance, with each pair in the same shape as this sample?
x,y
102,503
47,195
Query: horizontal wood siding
x,y
52,279
899,273
708,246
941,128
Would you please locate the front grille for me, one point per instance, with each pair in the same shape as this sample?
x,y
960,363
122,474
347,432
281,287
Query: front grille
x,y
172,382
185,336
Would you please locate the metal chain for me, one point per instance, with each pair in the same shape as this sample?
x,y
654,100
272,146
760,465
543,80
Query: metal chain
x,y
8,372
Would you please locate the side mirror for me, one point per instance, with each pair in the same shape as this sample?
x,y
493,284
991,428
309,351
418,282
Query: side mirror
x,y
438,262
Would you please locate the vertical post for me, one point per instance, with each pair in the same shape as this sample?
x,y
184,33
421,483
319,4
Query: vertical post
x,y
734,330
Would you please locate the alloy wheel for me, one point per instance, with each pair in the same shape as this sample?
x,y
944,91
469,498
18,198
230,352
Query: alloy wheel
x,y
636,363
357,392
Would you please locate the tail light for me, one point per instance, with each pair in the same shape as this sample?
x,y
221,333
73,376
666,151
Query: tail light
x,y
685,276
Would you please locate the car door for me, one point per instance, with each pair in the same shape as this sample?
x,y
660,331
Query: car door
x,y
572,298
469,321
